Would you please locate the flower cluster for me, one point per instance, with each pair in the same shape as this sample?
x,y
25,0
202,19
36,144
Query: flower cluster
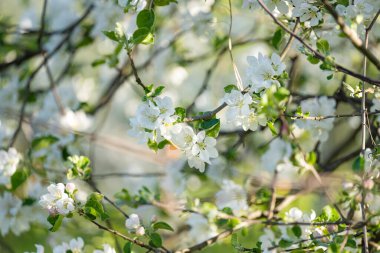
x,y
242,112
77,121
317,107
233,196
199,148
13,216
155,122
308,13
75,245
153,117
8,164
262,71
60,199
133,224
357,8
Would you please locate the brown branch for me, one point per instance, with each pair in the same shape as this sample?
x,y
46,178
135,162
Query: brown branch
x,y
135,73
135,241
351,35
126,174
316,53
290,41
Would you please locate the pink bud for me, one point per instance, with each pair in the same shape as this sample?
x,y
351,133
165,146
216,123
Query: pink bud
x,y
70,187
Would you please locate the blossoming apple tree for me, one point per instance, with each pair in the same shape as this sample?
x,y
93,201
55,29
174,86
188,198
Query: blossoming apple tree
x,y
183,126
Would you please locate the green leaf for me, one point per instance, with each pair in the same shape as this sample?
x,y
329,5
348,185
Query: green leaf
x,y
277,38
281,93
272,128
330,214
94,208
206,124
145,18
43,142
127,248
19,177
312,59
323,46
55,221
211,126
297,231
181,113
230,87
162,225
162,144
164,2
153,145
358,164
112,35
333,248
79,167
98,62
142,36
285,243
155,240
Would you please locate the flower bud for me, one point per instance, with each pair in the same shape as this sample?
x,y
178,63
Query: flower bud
x,y
368,184
140,231
70,187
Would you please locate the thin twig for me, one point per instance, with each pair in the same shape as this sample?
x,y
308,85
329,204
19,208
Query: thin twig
x,y
316,53
351,35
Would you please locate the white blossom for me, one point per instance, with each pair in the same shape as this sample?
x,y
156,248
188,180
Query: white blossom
x,y
322,106
57,200
201,229
106,249
133,224
253,120
40,249
153,120
278,152
233,196
8,164
307,12
77,120
202,150
13,216
183,136
75,246
138,5
262,71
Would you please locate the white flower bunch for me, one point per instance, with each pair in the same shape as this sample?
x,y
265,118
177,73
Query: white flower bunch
x,y
308,13
133,224
138,5
13,216
60,198
241,111
77,121
278,153
233,196
75,246
262,71
322,106
106,249
296,215
152,120
357,8
281,6
198,148
8,164
201,228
